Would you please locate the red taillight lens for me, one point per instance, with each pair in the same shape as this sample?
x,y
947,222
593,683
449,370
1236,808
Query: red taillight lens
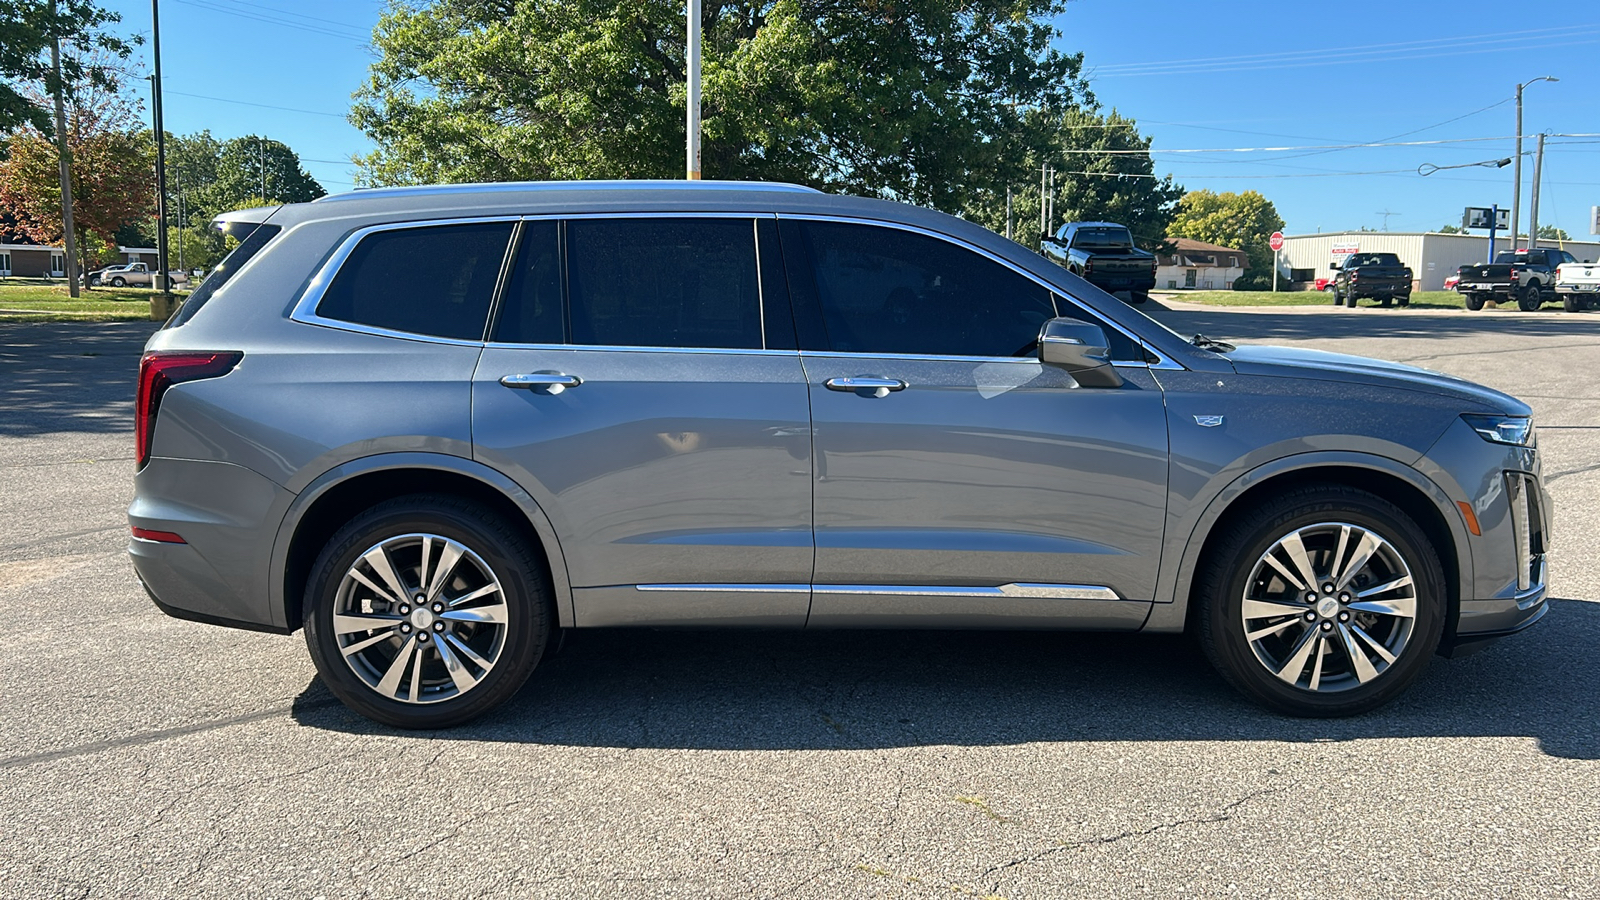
x,y
163,537
161,369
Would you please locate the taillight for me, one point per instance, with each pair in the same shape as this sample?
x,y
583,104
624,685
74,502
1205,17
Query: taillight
x,y
161,369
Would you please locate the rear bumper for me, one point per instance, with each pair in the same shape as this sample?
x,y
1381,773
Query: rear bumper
x,y
1113,283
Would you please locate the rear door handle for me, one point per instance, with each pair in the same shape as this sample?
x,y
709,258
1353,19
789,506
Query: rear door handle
x,y
865,385
542,382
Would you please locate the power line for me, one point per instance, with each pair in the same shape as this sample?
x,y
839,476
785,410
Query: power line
x,y
273,20
1279,149
309,112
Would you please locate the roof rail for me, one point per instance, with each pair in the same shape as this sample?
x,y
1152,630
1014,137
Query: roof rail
x,y
430,190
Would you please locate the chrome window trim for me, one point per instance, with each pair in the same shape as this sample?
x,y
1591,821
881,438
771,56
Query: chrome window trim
x,y
729,588
1162,362
305,309
922,357
1004,591
619,348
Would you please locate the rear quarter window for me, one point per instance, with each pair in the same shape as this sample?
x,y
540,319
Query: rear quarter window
x,y
435,280
252,238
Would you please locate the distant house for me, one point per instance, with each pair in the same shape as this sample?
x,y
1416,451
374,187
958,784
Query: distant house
x,y
146,255
32,261
1199,266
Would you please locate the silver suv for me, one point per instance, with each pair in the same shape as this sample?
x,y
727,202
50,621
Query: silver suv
x,y
746,405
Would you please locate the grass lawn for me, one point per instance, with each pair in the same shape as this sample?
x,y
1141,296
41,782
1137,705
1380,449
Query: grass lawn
x,y
36,300
1419,300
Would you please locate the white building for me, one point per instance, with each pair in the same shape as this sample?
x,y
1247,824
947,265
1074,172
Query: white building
x,y
1433,257
1198,266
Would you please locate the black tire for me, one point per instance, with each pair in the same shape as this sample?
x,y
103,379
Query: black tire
x,y
1386,302
1138,296
1529,299
1474,301
1236,555
1571,303
1403,299
1337,300
513,647
1350,300
118,281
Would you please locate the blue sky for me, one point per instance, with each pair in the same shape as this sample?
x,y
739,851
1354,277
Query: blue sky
x,y
1198,76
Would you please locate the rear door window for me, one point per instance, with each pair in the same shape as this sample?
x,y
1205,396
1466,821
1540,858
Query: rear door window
x,y
664,282
435,280
533,311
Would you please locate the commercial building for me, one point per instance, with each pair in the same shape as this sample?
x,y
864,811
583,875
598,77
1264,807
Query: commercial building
x,y
32,261
1433,257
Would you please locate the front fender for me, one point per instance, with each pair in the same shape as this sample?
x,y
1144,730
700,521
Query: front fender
x,y
493,478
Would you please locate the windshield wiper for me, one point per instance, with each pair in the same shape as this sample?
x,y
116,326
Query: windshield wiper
x,y
1212,344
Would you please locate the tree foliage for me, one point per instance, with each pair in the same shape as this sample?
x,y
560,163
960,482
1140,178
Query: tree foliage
x,y
1245,221
88,54
917,100
1103,173
113,172
1451,229
1552,233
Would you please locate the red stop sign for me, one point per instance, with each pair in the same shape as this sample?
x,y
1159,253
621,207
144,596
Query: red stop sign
x,y
1276,242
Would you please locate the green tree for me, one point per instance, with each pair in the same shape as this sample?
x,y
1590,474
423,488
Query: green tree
x,y
1451,229
1552,233
1245,221
1103,173
88,54
253,166
916,100
113,173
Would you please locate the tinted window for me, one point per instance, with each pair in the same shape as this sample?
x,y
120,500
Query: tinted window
x,y
649,282
883,290
532,312
252,238
436,280
1103,238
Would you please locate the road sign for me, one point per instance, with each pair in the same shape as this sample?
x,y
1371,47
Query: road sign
x,y
1478,217
1276,242
1594,220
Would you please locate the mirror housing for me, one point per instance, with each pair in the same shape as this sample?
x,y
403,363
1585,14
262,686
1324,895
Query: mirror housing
x,y
1333,266
1080,348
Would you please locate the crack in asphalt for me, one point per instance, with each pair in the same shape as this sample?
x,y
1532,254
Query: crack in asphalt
x,y
1222,815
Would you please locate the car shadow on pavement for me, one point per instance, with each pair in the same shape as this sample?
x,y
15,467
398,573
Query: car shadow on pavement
x,y
1251,324
843,690
69,376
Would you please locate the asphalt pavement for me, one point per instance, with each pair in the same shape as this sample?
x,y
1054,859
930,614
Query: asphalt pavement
x,y
145,756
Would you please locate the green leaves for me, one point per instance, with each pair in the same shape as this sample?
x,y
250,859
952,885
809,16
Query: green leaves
x,y
908,99
1245,221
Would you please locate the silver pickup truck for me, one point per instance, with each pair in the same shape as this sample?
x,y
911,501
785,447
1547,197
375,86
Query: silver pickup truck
x,y
132,274
1578,285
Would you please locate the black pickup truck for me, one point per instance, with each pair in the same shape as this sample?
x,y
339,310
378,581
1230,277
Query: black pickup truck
x,y
1526,276
1380,276
1104,254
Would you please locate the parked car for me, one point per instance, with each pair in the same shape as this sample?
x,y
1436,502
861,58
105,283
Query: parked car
x,y
1103,254
1325,284
1378,276
1526,276
1578,285
1451,281
743,405
132,274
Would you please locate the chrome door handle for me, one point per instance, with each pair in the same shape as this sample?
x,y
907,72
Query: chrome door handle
x,y
865,385
542,382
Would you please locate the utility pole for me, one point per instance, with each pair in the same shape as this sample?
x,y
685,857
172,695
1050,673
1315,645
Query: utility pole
x,y
1516,161
162,282
694,91
177,172
261,160
1008,212
69,244
1386,214
1051,227
1044,186
1533,212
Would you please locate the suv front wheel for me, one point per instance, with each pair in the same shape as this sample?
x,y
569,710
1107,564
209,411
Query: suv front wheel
x,y
1324,601
426,611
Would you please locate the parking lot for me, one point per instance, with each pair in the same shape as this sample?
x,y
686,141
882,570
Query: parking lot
x,y
145,756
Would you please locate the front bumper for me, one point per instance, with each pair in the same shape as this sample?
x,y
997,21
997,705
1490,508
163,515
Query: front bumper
x,y
1521,603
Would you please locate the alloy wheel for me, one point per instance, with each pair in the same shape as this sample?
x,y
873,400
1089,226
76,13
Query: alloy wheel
x,y
1329,607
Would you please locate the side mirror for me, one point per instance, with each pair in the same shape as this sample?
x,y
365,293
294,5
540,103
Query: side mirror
x,y
1081,349
1333,266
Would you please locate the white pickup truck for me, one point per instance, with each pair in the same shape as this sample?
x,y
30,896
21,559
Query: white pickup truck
x,y
137,274
1578,285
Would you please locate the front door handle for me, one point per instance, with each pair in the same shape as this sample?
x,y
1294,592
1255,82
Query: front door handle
x,y
865,385
542,382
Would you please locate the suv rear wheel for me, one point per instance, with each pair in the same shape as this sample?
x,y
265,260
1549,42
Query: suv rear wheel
x,y
426,611
1324,601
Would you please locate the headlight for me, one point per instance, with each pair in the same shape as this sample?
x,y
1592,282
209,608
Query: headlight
x,y
1514,430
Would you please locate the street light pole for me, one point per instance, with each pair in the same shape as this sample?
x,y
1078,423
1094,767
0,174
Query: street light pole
x,y
1533,211
1516,161
69,237
694,91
